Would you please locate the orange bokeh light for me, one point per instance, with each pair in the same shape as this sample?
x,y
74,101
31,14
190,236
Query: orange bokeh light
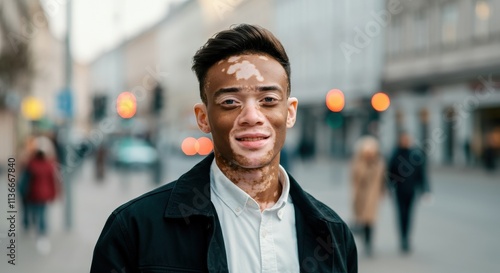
x,y
189,146
335,100
205,145
126,105
192,146
380,101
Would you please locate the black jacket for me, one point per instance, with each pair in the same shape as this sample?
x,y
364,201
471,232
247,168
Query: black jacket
x,y
175,228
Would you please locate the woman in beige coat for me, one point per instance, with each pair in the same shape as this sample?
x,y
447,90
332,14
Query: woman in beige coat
x,y
368,172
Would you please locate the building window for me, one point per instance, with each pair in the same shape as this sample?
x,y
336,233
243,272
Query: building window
x,y
421,24
482,15
449,23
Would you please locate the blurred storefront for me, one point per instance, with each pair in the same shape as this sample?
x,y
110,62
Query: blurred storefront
x,y
443,73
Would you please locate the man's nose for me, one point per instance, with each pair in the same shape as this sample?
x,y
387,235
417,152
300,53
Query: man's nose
x,y
251,115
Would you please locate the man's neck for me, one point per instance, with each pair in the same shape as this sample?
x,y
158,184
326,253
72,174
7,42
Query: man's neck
x,y
262,184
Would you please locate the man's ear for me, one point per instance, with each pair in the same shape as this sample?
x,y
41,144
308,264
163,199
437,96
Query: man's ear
x,y
200,111
292,112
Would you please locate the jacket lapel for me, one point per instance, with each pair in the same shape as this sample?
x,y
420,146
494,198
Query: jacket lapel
x,y
191,193
191,197
314,237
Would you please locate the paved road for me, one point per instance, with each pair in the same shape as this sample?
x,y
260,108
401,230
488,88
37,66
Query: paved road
x,y
458,232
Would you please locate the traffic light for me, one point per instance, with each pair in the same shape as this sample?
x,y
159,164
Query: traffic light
x,y
158,100
99,103
335,119
335,100
126,105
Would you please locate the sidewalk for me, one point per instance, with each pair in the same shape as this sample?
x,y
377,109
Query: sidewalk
x,y
71,251
457,233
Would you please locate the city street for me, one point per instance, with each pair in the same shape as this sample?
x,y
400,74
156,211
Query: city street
x,y
456,232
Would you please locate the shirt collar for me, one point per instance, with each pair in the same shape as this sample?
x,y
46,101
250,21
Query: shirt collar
x,y
237,199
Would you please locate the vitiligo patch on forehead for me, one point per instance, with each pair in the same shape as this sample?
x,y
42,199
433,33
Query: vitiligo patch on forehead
x,y
244,70
233,59
263,58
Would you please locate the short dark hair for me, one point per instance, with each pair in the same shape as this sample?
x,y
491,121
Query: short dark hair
x,y
237,40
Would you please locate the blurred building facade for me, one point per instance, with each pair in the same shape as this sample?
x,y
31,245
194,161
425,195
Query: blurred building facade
x,y
330,45
442,70
31,66
333,45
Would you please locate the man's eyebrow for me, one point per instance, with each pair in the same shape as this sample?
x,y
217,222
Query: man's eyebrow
x,y
226,90
269,88
237,89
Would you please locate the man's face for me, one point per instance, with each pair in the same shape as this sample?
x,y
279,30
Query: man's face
x,y
247,110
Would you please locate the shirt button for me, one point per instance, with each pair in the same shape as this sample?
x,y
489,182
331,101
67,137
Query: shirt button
x,y
238,209
280,214
264,233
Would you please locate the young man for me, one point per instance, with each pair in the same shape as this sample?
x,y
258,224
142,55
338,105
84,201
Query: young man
x,y
237,210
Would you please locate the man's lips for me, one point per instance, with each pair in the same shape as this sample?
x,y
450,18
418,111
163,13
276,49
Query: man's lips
x,y
251,138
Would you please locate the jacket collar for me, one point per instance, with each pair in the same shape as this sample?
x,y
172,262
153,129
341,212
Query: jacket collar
x,y
191,192
310,207
191,196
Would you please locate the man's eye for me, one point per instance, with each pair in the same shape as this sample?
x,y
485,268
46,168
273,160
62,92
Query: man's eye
x,y
229,102
269,99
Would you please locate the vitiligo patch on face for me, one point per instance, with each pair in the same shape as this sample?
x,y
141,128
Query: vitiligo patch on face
x,y
263,58
245,70
233,59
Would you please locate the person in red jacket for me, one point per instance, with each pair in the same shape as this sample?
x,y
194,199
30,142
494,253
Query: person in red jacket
x,y
42,188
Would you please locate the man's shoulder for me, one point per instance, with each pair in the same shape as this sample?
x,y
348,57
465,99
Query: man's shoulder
x,y
326,212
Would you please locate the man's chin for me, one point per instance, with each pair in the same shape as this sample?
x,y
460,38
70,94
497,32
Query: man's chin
x,y
252,161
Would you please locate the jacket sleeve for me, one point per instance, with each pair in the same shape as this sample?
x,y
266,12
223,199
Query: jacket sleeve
x,y
113,252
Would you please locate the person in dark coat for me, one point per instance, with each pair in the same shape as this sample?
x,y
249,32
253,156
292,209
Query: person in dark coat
x,y
237,210
408,177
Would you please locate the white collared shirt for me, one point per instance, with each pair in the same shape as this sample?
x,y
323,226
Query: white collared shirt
x,y
255,241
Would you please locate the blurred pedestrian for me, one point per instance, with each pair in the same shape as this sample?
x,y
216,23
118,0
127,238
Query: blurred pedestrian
x,y
42,188
467,152
237,210
408,177
489,153
100,162
367,177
